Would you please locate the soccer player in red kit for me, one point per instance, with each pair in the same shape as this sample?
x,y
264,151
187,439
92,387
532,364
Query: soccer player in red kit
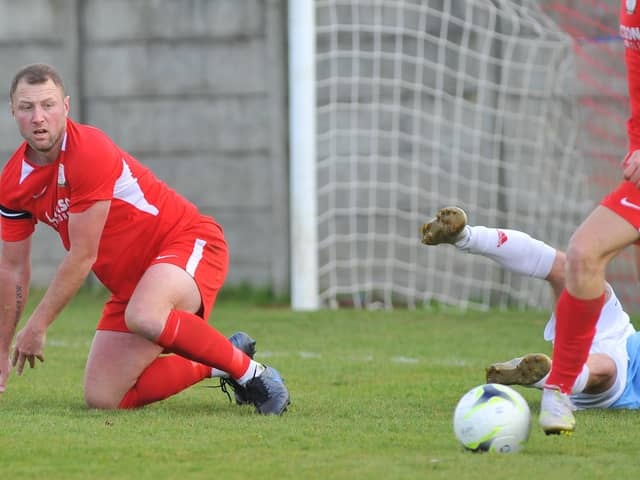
x,y
611,226
162,261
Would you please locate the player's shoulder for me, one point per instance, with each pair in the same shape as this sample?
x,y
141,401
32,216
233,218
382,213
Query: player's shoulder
x,y
11,169
12,187
89,153
83,138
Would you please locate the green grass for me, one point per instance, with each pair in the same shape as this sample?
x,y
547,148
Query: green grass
x,y
373,396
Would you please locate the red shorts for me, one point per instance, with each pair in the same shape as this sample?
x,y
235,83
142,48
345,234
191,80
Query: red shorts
x,y
201,252
625,202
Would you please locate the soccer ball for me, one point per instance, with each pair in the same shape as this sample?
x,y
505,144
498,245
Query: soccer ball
x,y
492,418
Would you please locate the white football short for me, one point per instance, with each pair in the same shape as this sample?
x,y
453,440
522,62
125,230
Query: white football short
x,y
612,330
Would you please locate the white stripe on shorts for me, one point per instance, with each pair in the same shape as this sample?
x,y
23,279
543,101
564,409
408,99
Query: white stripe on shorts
x,y
196,256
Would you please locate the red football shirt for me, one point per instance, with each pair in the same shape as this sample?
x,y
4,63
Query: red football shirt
x,y
144,211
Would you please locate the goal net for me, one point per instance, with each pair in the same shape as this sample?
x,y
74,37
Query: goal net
x,y
478,103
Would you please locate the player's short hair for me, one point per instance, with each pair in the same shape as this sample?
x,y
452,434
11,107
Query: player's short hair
x,y
35,74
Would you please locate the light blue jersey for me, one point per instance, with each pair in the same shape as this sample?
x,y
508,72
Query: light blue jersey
x,y
630,397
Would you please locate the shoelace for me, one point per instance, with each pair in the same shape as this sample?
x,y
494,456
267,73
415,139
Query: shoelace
x,y
223,387
225,383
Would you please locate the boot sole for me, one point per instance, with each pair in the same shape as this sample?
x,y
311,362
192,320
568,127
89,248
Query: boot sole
x,y
529,370
445,227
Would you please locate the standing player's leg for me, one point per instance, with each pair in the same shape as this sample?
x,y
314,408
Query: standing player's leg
x,y
600,237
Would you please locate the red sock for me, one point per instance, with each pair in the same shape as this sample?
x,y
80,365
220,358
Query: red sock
x,y
575,328
165,376
190,336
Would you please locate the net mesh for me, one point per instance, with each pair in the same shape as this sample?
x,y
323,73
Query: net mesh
x,y
423,104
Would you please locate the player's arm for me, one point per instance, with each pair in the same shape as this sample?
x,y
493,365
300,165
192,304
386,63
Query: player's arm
x,y
636,256
85,230
15,273
631,167
631,163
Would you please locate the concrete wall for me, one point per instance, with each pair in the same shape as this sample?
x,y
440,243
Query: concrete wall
x,y
195,89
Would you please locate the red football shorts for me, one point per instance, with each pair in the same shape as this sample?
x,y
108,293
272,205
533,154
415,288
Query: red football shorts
x,y
201,252
625,202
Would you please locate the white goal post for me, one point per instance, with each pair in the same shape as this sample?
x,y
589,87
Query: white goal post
x,y
400,107
302,151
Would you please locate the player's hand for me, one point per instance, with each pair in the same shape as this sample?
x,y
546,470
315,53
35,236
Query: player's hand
x,y
631,168
5,368
28,347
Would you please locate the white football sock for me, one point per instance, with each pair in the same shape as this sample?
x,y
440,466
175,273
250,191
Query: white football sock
x,y
255,370
581,382
514,250
215,373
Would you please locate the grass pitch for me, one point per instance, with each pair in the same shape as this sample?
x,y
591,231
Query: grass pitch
x,y
373,397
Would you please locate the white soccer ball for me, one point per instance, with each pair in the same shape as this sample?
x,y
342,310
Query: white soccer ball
x,y
492,418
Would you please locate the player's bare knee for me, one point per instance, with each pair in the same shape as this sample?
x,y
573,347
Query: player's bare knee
x,y
581,260
602,373
143,321
100,400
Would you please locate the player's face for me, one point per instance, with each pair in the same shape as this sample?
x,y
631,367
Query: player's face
x,y
41,113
